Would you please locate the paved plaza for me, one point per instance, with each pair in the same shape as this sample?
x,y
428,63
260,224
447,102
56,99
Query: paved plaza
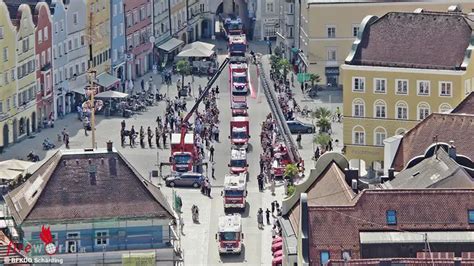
x,y
198,242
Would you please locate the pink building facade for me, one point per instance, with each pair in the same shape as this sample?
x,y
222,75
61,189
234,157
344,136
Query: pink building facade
x,y
43,50
138,30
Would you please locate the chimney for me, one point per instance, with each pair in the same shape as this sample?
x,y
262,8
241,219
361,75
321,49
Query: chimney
x,y
391,174
452,150
351,174
110,146
354,185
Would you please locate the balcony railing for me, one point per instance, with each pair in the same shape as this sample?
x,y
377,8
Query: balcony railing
x,y
46,67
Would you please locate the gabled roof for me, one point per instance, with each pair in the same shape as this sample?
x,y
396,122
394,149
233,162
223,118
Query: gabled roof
x,y
466,106
445,127
425,40
76,185
326,188
437,171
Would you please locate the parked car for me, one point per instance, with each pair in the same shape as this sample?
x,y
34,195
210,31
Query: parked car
x,y
185,180
298,127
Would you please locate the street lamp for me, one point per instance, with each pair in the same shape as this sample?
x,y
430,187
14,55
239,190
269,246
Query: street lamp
x,y
91,90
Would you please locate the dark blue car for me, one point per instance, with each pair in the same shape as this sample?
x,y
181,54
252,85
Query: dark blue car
x,y
298,127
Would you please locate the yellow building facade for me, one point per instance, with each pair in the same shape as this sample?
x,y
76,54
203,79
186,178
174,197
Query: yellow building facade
x,y
383,101
328,29
8,84
99,30
23,109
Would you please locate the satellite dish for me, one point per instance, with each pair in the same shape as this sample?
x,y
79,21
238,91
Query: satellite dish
x,y
152,39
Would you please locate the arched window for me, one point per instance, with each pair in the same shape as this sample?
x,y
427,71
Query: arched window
x,y
358,135
358,108
380,109
379,135
400,131
401,110
445,108
423,110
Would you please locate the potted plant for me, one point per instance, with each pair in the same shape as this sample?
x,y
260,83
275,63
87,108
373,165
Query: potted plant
x,y
314,78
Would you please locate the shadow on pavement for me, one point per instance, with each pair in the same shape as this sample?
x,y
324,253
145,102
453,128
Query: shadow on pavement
x,y
234,258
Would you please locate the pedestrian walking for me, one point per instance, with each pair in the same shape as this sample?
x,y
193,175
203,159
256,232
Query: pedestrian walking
x,y
213,170
122,137
260,218
267,213
211,153
157,137
85,124
163,136
273,206
298,141
132,136
66,140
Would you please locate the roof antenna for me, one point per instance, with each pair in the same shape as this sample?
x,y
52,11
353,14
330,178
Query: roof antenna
x,y
435,139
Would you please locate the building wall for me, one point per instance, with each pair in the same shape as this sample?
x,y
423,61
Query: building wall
x,y
77,58
59,33
316,18
286,32
99,21
161,22
27,84
138,32
178,19
44,74
118,38
8,88
122,235
194,20
267,19
370,152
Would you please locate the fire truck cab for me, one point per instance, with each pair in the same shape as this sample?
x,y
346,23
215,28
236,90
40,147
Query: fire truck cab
x,y
229,235
235,191
238,104
182,157
238,161
237,45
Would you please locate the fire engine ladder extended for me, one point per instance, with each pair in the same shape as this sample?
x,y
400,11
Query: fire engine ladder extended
x,y
280,120
194,108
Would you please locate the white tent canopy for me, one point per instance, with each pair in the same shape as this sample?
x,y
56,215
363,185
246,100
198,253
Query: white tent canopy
x,y
111,94
196,52
201,45
12,169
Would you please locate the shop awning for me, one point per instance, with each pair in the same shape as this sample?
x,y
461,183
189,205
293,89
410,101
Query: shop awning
x,y
80,90
416,237
12,169
106,80
170,45
112,94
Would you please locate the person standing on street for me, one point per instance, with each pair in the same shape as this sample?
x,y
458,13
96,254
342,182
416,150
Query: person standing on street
x,y
85,125
142,83
123,124
217,91
163,136
157,137
260,182
260,218
267,213
298,141
273,206
150,137
142,137
132,136
211,153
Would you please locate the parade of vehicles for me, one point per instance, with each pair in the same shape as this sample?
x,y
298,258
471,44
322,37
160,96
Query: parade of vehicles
x,y
229,236
238,161
235,191
239,106
239,132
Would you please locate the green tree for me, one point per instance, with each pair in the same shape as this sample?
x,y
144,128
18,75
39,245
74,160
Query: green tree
x,y
314,78
291,191
291,170
285,66
324,124
274,62
321,112
183,67
322,139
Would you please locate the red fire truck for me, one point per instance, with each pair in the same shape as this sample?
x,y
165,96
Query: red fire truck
x,y
229,235
235,191
239,131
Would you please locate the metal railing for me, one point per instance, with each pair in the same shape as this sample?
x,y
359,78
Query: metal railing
x,y
277,113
